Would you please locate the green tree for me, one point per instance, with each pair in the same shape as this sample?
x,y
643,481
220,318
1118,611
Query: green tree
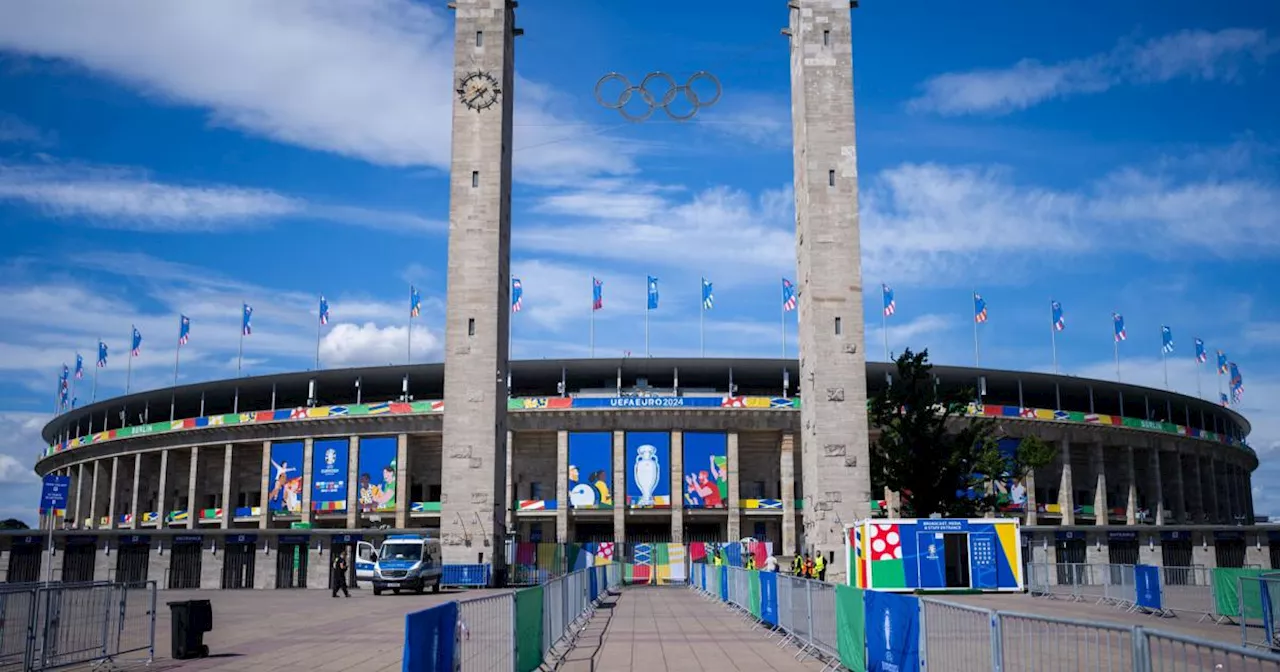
x,y
13,524
942,461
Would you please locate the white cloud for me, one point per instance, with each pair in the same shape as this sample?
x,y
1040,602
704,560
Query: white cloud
x,y
369,79
371,345
124,198
915,334
1192,54
15,130
20,442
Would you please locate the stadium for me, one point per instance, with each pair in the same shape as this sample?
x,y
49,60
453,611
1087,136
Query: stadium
x,y
187,485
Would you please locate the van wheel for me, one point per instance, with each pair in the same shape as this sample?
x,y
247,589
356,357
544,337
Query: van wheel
x,y
419,588
377,590
435,587
396,591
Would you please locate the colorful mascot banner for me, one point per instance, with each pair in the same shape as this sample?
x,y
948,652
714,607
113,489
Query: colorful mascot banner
x,y
590,470
285,496
706,470
648,470
917,554
329,474
377,474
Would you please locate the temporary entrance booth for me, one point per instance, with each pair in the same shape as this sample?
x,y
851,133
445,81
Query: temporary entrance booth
x,y
935,554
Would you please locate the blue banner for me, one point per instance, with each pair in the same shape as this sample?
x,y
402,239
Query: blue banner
x,y
329,474
769,597
591,470
285,496
648,402
724,583
648,470
982,560
1146,584
430,638
706,470
893,632
592,585
377,474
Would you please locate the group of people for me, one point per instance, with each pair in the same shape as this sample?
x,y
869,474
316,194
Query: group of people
x,y
804,566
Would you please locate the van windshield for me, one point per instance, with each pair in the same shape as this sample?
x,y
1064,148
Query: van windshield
x,y
401,551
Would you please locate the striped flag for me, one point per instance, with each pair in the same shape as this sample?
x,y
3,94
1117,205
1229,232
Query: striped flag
x,y
517,295
184,330
789,299
890,306
1118,320
979,309
1059,320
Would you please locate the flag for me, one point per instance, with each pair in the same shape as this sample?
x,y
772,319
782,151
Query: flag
x,y
79,367
136,348
184,330
1118,320
245,327
1237,383
789,300
708,298
1222,399
1201,355
889,305
324,310
1166,338
1059,320
415,302
102,355
653,293
1222,362
979,308
597,294
517,295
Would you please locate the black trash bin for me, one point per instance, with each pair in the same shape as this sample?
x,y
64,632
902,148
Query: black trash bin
x,y
189,621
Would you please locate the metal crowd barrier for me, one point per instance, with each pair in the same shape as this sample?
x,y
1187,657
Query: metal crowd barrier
x,y
466,576
50,626
962,638
490,627
1185,590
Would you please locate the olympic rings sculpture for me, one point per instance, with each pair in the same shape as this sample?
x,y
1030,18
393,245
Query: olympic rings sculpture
x,y
669,93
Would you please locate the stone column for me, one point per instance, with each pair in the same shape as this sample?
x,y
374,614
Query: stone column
x,y
1179,492
227,509
1131,486
79,520
1066,486
677,487
562,486
1215,508
1030,484
137,480
264,497
787,469
308,449
1098,463
353,482
735,515
402,483
1198,514
161,503
93,496
193,507
111,499
1248,488
1157,483
619,487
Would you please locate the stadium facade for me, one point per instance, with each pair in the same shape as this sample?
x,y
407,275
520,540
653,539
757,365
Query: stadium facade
x,y
632,450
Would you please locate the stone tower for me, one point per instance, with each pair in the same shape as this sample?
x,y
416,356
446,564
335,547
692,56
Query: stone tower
x,y
833,375
479,283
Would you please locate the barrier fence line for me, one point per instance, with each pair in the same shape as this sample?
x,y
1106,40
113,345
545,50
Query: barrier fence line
x,y
860,630
48,626
511,632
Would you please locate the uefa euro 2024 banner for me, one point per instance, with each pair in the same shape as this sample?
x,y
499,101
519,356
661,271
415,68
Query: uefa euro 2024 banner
x,y
377,480
648,470
329,475
706,470
590,470
285,495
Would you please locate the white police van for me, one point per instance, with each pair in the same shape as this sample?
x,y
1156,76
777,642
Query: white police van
x,y
407,562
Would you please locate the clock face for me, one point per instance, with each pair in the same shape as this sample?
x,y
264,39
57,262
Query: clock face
x,y
479,90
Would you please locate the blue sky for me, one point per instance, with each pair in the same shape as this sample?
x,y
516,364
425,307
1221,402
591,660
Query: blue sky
x,y
185,158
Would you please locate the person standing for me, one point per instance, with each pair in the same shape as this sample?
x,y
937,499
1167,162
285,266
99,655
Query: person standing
x,y
771,564
808,566
340,569
820,567
797,566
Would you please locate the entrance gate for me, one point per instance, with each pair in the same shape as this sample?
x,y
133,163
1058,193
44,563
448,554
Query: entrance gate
x,y
1176,556
185,559
291,561
78,559
133,559
24,560
238,560
339,544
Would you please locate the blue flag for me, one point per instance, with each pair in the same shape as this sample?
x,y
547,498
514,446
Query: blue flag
x,y
1201,355
79,367
184,330
136,348
1166,339
653,293
102,355
246,327
708,298
1059,320
324,310
415,302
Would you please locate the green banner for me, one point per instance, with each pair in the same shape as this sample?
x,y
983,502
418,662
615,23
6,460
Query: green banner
x,y
1226,592
851,632
529,629
753,578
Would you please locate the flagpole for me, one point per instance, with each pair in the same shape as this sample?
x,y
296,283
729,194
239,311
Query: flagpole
x,y
646,327
240,355
128,370
1199,365
1164,361
319,324
884,328
409,339
94,395
592,336
1117,349
702,319
1053,338
977,351
784,331
177,353
73,385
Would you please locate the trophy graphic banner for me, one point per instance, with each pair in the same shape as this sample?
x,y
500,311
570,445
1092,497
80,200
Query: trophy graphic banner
x,y
648,467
